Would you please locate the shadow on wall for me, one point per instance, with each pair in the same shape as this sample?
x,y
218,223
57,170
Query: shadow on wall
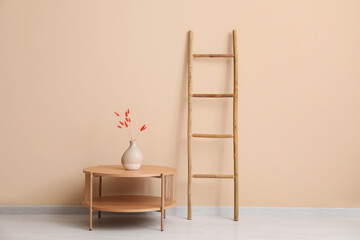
x,y
180,141
228,83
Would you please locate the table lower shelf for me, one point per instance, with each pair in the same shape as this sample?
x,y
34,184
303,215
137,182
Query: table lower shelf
x,y
129,203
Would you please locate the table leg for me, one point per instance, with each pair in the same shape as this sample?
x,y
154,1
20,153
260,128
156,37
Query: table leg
x,y
162,200
91,201
165,197
100,187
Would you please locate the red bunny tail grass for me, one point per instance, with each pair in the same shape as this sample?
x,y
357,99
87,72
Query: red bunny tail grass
x,y
117,114
143,128
118,126
128,111
121,123
126,124
129,120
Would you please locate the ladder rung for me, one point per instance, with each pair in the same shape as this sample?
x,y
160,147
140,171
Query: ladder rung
x,y
212,176
213,55
201,135
213,95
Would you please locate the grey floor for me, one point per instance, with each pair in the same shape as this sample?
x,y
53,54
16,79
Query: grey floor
x,y
201,227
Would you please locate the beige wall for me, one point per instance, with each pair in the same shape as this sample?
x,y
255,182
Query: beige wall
x,y
65,66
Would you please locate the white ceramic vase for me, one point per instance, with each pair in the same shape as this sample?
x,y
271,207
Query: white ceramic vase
x,y
132,157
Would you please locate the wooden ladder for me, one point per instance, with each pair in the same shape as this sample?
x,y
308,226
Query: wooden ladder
x,y
234,135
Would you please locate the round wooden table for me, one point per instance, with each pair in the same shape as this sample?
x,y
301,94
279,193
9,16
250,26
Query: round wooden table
x,y
129,203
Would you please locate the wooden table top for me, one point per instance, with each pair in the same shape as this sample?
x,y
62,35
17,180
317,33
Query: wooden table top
x,y
120,171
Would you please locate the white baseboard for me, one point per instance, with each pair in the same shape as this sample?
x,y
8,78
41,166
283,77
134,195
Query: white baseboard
x,y
197,211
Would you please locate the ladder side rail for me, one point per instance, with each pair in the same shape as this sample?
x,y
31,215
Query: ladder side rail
x,y
235,129
190,63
